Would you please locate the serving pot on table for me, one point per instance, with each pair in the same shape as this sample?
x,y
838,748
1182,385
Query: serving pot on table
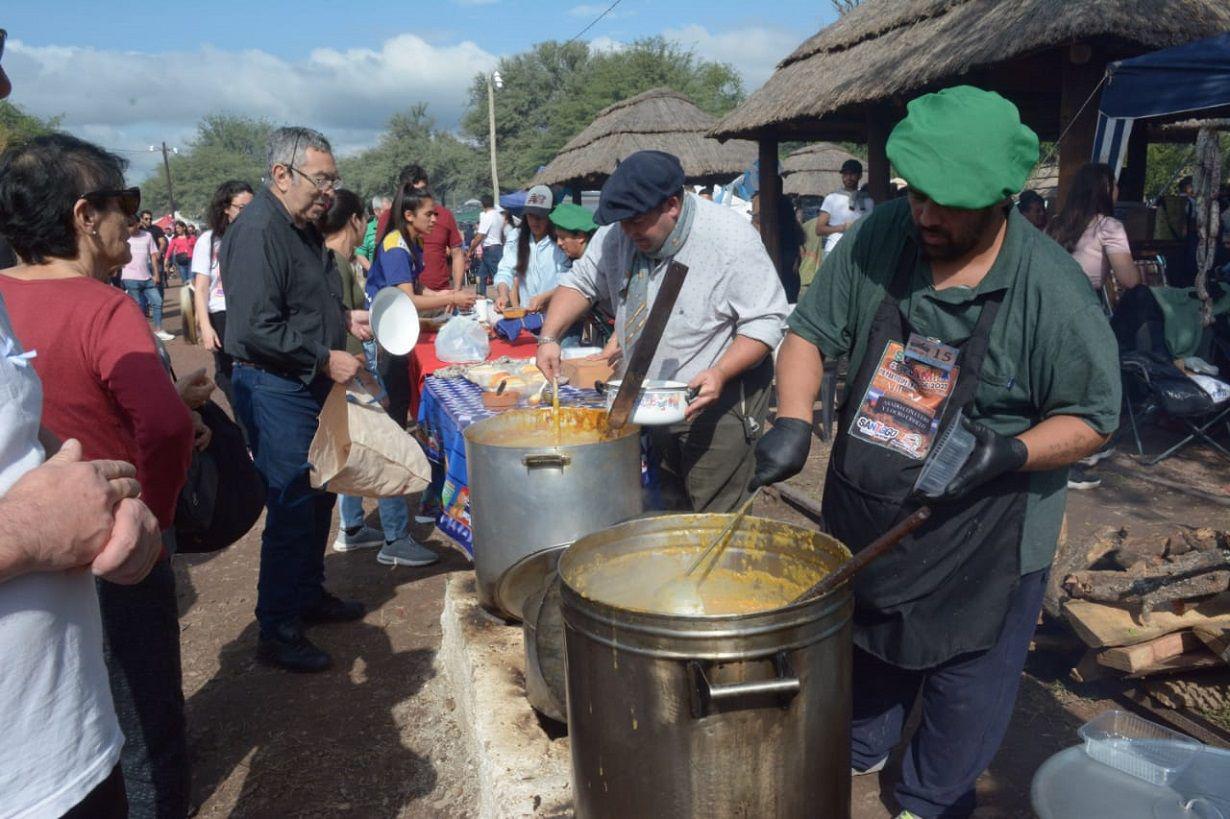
x,y
528,501
657,404
673,715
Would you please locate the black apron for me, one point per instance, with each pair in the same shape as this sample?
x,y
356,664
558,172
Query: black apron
x,y
943,590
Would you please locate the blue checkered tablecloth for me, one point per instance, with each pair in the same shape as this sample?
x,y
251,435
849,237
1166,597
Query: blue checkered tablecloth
x,y
446,408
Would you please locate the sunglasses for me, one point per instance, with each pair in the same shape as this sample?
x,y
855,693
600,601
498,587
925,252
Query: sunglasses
x,y
129,199
4,35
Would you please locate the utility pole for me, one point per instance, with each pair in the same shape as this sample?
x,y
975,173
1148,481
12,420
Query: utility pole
x,y
494,80
166,167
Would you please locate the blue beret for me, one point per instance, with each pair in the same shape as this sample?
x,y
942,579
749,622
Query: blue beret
x,y
639,184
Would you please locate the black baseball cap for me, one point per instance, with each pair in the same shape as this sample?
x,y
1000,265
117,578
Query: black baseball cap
x,y
639,184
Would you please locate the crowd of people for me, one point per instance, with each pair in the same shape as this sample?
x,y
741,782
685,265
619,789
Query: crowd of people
x,y
97,434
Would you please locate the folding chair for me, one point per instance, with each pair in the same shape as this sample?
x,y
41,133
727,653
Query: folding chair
x,y
1153,385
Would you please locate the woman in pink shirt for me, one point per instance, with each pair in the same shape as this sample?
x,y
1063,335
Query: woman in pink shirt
x,y
179,252
1087,228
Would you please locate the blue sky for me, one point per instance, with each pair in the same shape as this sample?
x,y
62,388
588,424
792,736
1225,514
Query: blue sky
x,y
343,67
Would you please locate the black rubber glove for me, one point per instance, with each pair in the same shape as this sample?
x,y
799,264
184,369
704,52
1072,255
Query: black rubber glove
x,y
993,455
782,452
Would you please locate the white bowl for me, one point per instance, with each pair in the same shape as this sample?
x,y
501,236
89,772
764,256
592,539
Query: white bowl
x,y
395,320
578,352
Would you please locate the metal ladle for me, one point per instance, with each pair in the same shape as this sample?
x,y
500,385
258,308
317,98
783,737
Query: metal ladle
x,y
682,595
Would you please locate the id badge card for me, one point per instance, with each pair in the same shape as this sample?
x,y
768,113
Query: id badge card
x,y
905,400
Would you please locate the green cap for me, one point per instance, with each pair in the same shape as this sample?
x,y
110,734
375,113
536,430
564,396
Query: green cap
x,y
573,218
963,147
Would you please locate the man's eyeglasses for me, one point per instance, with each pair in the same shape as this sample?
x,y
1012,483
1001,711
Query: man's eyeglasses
x,y
323,184
129,199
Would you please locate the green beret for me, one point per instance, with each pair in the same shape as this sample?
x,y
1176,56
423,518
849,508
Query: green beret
x,y
573,218
963,147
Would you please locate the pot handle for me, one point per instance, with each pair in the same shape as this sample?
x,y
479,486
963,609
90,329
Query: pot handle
x,y
690,394
707,698
547,460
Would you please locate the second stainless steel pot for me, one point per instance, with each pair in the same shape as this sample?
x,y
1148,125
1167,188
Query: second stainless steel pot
x,y
524,499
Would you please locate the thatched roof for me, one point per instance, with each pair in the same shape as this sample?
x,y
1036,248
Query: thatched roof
x,y
886,49
1044,180
814,170
660,119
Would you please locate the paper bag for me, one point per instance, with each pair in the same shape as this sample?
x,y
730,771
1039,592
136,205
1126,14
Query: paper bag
x,y
359,450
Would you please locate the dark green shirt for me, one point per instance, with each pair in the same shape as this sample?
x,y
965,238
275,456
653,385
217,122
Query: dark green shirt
x,y
352,296
1051,349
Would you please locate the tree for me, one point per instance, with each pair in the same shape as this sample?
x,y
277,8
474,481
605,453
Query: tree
x,y
227,146
553,91
455,170
17,126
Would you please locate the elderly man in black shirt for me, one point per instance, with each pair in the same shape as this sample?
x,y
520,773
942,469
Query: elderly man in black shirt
x,y
286,329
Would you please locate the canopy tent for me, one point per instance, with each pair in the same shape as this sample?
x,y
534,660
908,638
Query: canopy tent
x,y
1168,83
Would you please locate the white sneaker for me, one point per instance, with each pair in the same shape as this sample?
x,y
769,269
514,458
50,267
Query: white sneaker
x,y
405,552
164,335
876,768
423,520
366,538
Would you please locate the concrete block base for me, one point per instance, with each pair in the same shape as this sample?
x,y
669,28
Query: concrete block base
x,y
522,770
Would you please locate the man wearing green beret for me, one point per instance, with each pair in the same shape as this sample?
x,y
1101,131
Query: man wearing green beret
x,y
957,317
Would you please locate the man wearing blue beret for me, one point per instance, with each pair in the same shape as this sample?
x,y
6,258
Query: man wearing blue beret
x,y
958,317
729,315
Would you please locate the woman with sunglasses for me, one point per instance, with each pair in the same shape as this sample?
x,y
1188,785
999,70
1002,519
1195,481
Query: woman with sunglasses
x,y
65,210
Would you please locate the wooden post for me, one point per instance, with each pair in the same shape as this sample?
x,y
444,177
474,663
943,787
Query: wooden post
x,y
770,196
576,193
877,154
1083,68
1132,177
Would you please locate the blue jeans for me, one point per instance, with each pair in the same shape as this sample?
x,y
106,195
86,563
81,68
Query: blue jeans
x,y
394,514
966,705
490,263
147,296
280,415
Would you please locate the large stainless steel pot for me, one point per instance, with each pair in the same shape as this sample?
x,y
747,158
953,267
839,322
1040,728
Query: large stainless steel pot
x,y
526,499
707,716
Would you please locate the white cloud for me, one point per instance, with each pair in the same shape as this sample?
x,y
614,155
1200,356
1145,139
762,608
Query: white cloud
x,y
754,51
127,100
588,10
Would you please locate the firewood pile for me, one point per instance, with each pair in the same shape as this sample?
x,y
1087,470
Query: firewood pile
x,y
1155,611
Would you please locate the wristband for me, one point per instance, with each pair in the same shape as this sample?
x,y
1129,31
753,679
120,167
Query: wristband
x,y
547,340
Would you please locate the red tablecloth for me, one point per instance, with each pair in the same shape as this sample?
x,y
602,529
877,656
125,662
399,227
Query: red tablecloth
x,y
423,361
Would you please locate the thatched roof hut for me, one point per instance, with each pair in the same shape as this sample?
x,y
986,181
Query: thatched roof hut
x,y
890,50
814,170
660,119
852,79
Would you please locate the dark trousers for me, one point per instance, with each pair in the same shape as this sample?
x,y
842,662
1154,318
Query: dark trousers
x,y
224,365
487,269
106,801
141,646
966,706
394,374
280,416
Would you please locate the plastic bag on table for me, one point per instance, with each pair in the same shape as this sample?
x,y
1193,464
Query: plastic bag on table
x,y
462,340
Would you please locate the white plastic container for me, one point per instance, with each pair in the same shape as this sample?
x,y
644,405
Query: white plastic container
x,y
1138,747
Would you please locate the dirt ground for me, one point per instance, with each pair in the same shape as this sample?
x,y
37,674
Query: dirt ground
x,y
374,736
